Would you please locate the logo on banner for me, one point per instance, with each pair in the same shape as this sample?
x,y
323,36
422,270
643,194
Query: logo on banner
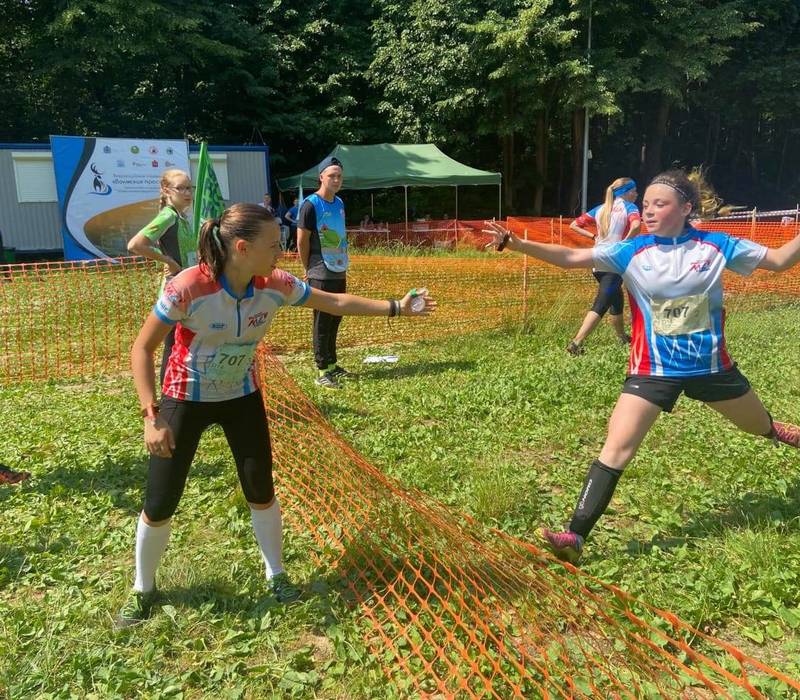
x,y
106,149
134,149
170,151
120,163
154,163
168,163
153,150
98,186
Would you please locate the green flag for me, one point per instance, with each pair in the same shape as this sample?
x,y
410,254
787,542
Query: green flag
x,y
208,202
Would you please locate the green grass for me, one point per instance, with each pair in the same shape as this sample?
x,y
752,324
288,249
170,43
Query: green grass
x,y
66,551
706,520
501,425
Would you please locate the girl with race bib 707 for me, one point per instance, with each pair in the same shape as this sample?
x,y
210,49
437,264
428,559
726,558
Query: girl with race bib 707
x,y
674,279
220,310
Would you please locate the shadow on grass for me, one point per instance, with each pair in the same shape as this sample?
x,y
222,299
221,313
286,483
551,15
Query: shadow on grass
x,y
418,369
754,511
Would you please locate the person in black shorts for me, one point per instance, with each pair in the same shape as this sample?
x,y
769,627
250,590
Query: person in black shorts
x,y
674,278
616,219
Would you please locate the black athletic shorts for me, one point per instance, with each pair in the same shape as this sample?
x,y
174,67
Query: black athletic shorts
x,y
664,391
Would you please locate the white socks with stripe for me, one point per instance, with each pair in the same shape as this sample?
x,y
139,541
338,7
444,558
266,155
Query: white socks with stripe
x,y
267,527
150,545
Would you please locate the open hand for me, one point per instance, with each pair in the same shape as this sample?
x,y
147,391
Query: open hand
x,y
501,236
410,304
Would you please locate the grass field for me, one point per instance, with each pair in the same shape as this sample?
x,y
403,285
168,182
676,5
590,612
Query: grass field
x,y
500,424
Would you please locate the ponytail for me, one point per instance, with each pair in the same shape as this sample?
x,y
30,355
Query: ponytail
x,y
211,249
604,219
243,221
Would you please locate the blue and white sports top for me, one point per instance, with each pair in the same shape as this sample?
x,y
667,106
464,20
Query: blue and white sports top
x,y
675,291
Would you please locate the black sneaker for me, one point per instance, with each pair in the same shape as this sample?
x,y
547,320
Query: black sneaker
x,y
341,373
327,381
283,589
135,610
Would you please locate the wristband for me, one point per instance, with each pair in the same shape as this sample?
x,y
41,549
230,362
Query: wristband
x,y
150,412
394,308
504,242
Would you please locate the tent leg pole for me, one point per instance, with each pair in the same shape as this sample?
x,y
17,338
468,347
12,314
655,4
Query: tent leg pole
x,y
372,206
456,202
405,191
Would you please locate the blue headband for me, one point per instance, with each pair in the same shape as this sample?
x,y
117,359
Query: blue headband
x,y
622,189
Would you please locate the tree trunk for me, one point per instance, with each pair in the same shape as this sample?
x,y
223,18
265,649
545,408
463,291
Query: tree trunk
x,y
508,171
655,139
574,197
541,162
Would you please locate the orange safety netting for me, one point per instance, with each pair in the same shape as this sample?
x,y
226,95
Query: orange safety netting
x,y
77,319
450,608
453,609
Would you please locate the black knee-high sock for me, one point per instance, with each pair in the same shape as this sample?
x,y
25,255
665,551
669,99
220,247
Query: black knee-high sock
x,y
594,497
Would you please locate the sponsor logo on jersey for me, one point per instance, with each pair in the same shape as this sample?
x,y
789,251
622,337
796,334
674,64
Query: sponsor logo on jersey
x,y
218,326
258,319
700,266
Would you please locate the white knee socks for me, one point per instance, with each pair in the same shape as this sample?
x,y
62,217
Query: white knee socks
x,y
267,528
150,545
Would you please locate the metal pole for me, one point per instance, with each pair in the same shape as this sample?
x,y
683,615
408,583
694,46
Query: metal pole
x,y
405,190
585,175
525,285
372,206
456,202
500,201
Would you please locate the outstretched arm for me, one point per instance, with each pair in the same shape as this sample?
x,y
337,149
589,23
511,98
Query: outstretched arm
x,y
352,305
554,254
783,258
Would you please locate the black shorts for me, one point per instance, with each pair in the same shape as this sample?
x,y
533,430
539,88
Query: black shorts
x,y
664,391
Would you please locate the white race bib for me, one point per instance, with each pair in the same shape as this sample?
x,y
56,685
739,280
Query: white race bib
x,y
681,316
231,362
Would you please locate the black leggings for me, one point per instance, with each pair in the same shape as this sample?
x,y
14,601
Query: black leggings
x,y
244,422
326,326
609,296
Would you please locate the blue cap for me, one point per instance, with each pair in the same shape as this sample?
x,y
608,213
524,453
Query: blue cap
x,y
328,162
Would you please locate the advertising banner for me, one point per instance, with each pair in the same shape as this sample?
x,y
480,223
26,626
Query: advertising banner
x,y
108,189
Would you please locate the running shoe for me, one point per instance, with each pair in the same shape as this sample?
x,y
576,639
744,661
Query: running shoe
x,y
574,349
283,589
787,433
327,381
341,373
566,546
9,476
135,610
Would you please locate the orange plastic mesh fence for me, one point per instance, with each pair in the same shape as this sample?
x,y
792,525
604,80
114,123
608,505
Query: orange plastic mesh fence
x,y
452,609
73,319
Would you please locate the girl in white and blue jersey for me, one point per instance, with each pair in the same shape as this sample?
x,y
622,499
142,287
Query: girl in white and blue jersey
x,y
674,280
220,310
616,219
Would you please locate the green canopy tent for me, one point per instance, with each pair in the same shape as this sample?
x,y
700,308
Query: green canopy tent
x,y
398,165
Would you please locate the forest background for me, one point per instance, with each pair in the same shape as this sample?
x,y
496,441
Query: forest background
x,y
499,84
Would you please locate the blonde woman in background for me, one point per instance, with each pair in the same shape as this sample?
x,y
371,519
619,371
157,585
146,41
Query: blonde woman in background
x,y
168,238
616,219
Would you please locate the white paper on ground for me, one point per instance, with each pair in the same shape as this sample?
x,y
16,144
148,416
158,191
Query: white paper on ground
x,y
377,359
